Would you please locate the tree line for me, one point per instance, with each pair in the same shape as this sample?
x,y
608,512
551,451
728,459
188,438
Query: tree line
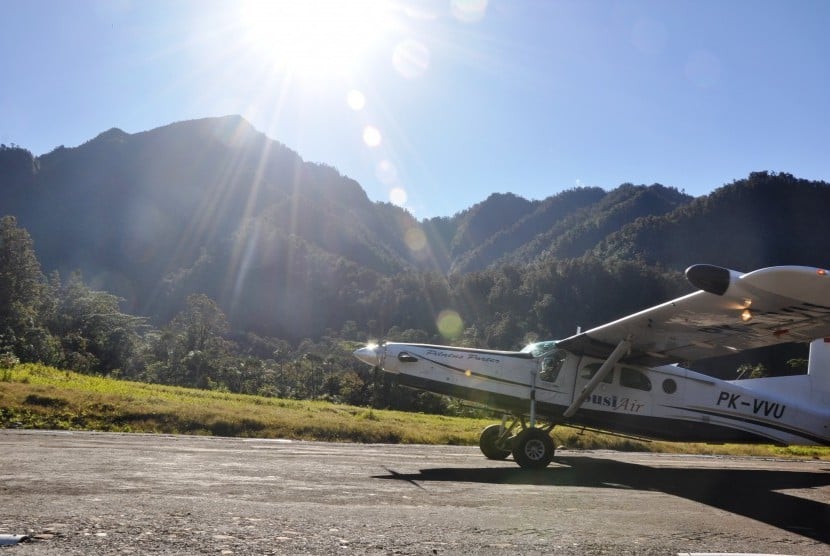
x,y
63,322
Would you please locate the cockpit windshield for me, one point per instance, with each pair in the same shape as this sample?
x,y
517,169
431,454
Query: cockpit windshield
x,y
538,349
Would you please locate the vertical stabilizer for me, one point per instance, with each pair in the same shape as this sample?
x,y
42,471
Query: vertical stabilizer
x,y
819,367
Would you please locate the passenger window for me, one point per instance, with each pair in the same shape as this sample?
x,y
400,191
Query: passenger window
x,y
588,371
632,378
551,365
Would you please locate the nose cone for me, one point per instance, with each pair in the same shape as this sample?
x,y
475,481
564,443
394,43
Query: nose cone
x,y
368,355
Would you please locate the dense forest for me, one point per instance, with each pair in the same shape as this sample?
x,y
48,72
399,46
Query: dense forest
x,y
204,253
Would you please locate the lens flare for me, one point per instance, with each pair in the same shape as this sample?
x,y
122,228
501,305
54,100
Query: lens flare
x,y
356,100
411,59
468,11
450,325
386,172
415,239
372,136
398,196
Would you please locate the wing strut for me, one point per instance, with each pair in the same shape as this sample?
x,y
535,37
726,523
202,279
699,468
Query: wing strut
x,y
603,371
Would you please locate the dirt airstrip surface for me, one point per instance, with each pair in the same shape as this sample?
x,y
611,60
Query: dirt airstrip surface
x,y
99,493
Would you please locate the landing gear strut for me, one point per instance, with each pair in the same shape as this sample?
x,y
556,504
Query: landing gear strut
x,y
532,447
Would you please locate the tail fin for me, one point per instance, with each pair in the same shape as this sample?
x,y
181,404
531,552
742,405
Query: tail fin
x,y
818,367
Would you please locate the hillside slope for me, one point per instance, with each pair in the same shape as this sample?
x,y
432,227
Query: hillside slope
x,y
294,249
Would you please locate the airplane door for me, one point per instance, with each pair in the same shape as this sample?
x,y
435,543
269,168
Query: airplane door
x,y
626,389
602,397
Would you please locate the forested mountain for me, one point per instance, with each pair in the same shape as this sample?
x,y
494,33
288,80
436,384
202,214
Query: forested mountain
x,y
763,220
546,217
141,215
292,249
569,224
486,219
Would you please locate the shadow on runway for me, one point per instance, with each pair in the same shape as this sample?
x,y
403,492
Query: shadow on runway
x,y
747,492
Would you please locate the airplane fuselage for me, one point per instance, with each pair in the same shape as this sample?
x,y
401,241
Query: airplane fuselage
x,y
665,402
622,376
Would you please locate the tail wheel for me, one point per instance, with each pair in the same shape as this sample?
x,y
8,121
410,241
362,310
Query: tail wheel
x,y
492,444
533,449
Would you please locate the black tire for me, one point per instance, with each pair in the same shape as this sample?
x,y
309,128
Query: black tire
x,y
489,443
533,449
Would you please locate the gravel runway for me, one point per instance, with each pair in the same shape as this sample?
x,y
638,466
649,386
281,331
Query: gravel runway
x,y
102,493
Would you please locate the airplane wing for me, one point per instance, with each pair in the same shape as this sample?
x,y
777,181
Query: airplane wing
x,y
732,312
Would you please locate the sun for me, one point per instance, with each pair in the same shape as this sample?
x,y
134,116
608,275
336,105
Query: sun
x,y
315,37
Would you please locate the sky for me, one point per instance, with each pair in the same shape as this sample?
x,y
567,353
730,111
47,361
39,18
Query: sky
x,y
436,104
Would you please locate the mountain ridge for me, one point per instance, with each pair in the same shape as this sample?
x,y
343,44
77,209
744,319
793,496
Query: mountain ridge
x,y
289,247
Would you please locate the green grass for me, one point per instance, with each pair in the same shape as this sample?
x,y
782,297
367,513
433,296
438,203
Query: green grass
x,y
39,397
34,396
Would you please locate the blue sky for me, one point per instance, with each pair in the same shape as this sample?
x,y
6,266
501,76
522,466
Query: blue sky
x,y
437,104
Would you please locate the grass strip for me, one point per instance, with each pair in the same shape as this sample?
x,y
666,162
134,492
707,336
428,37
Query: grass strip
x,y
40,397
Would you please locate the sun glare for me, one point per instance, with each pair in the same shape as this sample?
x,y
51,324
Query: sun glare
x,y
315,36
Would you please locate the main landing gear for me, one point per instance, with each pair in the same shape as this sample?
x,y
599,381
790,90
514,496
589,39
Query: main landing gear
x,y
532,447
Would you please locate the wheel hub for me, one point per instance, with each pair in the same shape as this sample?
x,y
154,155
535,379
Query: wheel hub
x,y
535,449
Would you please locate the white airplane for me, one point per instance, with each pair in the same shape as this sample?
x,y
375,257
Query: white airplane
x,y
624,376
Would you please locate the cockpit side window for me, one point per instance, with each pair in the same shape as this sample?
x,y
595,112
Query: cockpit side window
x,y
551,364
